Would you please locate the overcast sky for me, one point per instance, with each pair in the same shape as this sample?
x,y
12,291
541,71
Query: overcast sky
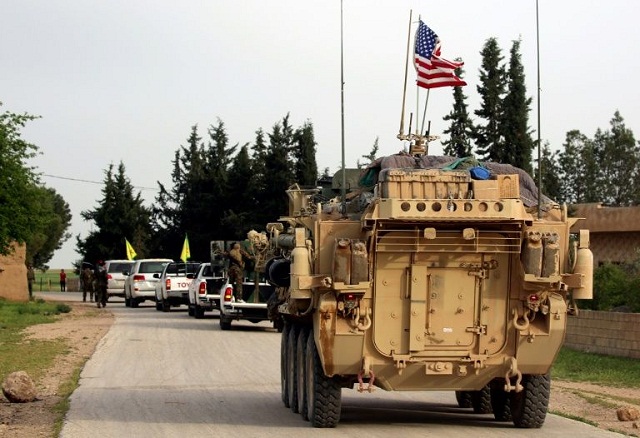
x,y
125,80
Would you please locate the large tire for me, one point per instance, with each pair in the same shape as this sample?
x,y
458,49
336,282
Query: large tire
x,y
158,306
199,312
225,323
324,395
134,302
166,307
500,401
190,310
529,406
481,401
284,389
292,369
464,399
301,353
127,300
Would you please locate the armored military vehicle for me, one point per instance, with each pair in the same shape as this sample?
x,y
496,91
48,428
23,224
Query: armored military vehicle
x,y
438,277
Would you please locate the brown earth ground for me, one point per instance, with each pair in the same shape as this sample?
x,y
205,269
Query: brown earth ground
x,y
85,325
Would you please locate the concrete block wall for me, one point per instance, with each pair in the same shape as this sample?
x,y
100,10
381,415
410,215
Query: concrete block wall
x,y
612,333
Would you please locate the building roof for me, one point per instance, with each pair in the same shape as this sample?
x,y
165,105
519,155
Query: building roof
x,y
601,219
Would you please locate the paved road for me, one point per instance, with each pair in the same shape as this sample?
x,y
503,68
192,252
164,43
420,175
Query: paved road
x,y
159,374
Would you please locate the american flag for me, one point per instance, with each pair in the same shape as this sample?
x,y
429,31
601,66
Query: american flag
x,y
433,71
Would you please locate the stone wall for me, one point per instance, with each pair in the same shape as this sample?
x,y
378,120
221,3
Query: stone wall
x,y
611,333
13,275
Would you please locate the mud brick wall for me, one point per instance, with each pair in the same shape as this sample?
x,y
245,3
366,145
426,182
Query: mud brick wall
x,y
612,333
13,275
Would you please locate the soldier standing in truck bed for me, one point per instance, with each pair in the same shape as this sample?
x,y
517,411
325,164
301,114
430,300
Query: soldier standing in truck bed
x,y
237,256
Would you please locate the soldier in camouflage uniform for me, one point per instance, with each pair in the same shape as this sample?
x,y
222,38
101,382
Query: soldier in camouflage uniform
x,y
101,284
236,257
87,283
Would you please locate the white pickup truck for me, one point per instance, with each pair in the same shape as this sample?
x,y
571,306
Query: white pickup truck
x,y
254,308
172,288
204,290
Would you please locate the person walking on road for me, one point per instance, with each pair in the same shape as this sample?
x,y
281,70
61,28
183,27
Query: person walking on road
x,y
87,283
101,284
63,281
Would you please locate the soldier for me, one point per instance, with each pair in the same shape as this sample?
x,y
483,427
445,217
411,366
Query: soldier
x,y
236,258
101,284
87,283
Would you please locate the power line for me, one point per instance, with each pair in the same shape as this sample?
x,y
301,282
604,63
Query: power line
x,y
92,182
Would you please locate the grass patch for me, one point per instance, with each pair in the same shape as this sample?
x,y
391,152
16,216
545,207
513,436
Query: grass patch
x,y
596,368
596,400
18,353
62,407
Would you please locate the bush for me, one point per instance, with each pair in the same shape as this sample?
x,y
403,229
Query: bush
x,y
614,286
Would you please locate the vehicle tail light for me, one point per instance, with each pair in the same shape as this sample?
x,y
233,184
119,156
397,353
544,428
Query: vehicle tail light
x,y
534,298
202,289
228,293
167,283
350,300
138,277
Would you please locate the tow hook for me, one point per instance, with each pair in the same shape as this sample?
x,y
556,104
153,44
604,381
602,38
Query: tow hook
x,y
516,320
513,371
366,371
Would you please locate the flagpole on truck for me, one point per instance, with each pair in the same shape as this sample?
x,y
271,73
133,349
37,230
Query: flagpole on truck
x,y
539,152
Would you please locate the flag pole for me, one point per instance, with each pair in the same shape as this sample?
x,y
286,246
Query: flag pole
x,y
539,152
406,69
343,192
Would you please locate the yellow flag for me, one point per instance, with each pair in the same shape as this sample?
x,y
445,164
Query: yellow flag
x,y
186,254
131,253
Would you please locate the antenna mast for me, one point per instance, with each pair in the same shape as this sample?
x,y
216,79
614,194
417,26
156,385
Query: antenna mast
x,y
343,192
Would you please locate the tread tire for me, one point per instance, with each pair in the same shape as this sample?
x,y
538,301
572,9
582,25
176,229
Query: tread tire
x,y
225,323
324,394
464,399
284,390
301,383
292,369
198,312
500,401
481,401
529,406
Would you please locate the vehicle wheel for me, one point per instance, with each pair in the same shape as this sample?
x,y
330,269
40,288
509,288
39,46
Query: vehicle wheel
x,y
324,395
127,301
301,352
500,401
166,306
199,312
278,324
254,320
225,323
481,401
284,390
292,369
158,306
191,311
134,302
464,399
529,406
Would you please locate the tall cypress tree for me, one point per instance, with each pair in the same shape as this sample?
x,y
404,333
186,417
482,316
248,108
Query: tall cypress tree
x,y
219,155
488,135
461,127
120,214
518,144
280,172
579,175
551,185
237,214
304,154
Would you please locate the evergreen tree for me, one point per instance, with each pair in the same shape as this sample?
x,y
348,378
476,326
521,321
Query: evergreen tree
x,y
461,127
370,157
518,144
304,154
217,192
120,214
488,135
551,185
259,181
579,175
237,214
280,172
